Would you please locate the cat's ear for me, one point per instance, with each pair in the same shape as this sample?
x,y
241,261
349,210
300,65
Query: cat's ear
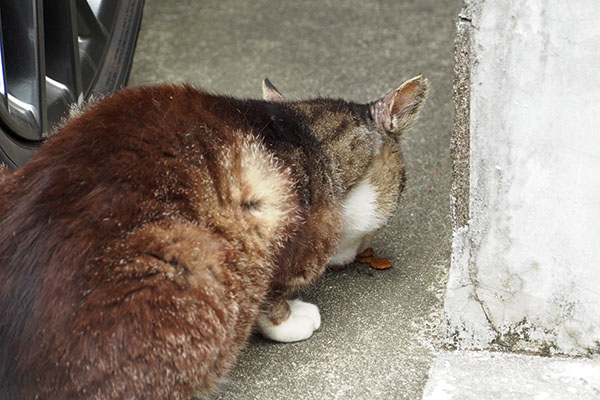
x,y
270,93
397,110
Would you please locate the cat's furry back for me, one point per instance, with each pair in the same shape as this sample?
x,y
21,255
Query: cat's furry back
x,y
140,244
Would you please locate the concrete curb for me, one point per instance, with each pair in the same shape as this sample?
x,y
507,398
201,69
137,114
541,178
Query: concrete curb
x,y
477,375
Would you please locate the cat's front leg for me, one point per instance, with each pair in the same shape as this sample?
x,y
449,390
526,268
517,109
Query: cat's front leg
x,y
289,321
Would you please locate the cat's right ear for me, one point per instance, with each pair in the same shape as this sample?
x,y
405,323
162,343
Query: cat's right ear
x,y
397,110
270,93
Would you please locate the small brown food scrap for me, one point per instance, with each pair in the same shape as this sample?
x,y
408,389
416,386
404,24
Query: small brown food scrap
x,y
368,252
367,257
380,263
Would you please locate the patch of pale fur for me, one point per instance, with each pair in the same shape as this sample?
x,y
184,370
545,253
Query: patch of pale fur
x,y
361,217
269,184
304,319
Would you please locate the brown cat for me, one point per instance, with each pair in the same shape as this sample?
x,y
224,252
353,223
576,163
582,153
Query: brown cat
x,y
146,239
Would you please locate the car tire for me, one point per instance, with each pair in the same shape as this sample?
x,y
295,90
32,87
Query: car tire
x,y
99,71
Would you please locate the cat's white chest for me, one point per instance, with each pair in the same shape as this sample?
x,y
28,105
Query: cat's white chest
x,y
360,219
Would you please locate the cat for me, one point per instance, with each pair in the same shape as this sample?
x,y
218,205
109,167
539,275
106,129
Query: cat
x,y
148,237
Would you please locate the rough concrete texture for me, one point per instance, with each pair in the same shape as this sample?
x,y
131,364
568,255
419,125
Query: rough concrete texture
x,y
459,145
524,271
501,376
378,334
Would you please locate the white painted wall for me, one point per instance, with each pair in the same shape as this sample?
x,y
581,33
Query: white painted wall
x,y
526,270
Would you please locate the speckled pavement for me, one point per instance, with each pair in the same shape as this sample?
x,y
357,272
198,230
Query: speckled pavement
x,y
379,338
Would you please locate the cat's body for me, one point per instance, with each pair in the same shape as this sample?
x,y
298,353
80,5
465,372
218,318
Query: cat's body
x,y
144,241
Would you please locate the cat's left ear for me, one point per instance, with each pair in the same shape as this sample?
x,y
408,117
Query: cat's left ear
x,y
397,110
270,93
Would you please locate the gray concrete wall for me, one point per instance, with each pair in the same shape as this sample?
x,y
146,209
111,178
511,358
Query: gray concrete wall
x,y
525,271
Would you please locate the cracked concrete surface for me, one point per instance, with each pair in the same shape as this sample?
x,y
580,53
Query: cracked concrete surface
x,y
523,273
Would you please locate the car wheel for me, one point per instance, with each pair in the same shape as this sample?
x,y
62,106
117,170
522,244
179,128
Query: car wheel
x,y
54,54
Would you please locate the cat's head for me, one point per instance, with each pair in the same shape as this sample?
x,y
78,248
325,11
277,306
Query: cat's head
x,y
355,134
363,140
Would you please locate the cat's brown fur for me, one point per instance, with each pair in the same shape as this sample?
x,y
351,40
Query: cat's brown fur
x,y
142,241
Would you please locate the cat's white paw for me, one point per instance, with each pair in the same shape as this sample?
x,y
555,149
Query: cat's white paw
x,y
302,322
301,308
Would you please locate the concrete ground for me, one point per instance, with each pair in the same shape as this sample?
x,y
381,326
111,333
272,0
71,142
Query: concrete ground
x,y
477,375
378,337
